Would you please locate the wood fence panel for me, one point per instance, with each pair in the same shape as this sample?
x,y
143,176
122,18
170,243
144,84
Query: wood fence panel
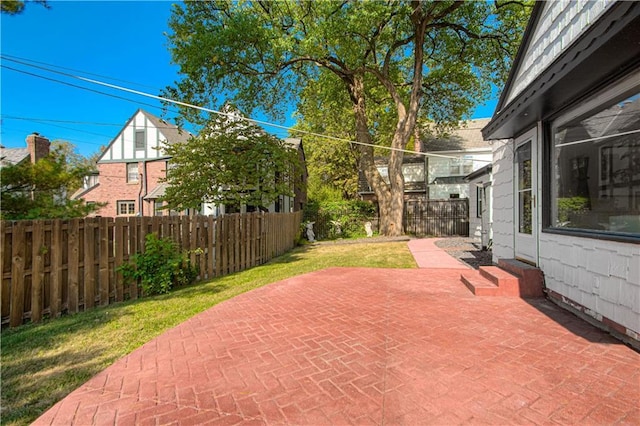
x,y
211,261
119,246
18,245
236,242
218,243
52,267
74,265
103,269
193,239
224,246
89,264
5,267
37,270
56,268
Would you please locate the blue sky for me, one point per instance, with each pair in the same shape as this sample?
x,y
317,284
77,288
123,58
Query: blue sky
x,y
121,40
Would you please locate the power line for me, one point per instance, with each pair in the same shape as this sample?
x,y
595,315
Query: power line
x,y
26,61
204,109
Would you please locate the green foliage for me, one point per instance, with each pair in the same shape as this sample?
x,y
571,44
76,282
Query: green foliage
x,y
159,267
15,7
568,208
232,162
41,190
360,70
339,219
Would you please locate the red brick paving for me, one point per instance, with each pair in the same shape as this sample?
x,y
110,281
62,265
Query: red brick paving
x,y
368,346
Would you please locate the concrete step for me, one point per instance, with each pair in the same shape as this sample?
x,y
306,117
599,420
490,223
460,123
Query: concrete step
x,y
479,285
511,278
508,284
531,279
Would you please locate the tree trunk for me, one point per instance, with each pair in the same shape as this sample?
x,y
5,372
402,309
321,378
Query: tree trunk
x,y
390,196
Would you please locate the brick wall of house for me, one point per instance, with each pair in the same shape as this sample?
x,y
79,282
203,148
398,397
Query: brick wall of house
x,y
503,225
113,187
156,170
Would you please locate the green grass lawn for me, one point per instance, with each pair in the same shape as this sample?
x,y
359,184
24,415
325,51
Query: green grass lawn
x,y
44,362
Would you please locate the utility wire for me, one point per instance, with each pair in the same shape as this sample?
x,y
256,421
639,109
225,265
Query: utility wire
x,y
204,109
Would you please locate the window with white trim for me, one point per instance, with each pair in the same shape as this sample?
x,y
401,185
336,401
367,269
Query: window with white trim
x,y
126,207
595,156
132,173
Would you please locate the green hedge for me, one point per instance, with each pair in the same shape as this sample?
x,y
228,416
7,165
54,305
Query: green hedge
x,y
339,219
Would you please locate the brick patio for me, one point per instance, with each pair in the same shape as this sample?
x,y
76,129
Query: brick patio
x,y
368,346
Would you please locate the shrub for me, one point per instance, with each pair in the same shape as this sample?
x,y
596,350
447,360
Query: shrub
x,y
339,219
159,267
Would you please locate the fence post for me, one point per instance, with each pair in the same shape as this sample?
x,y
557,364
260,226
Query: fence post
x,y
18,245
89,265
104,275
118,245
37,270
56,268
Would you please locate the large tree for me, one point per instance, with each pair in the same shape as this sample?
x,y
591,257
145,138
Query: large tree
x,y
388,62
231,162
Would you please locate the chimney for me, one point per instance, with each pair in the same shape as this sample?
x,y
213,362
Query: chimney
x,y
38,146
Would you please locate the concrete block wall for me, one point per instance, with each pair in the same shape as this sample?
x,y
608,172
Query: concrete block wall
x,y
503,226
600,278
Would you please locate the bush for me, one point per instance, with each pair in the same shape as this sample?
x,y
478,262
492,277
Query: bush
x,y
159,267
339,219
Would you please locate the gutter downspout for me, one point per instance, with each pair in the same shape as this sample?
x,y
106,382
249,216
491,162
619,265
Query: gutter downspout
x,y
143,188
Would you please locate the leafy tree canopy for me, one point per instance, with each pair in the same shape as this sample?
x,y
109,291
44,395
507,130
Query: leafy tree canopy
x,y
231,162
15,7
390,63
42,190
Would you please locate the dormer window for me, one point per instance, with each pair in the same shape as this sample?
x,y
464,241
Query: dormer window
x,y
140,139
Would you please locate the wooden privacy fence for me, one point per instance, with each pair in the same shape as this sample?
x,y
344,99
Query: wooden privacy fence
x,y
51,267
438,218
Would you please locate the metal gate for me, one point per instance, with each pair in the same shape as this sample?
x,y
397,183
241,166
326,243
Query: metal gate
x,y
437,218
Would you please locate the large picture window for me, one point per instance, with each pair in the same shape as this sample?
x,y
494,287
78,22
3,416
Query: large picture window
x,y
595,157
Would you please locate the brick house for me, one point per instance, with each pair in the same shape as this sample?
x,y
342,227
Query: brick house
x,y
131,166
130,170
566,169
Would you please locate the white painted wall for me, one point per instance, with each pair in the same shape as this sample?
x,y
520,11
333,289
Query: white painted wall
x,y
561,23
475,222
123,146
603,276
440,167
503,223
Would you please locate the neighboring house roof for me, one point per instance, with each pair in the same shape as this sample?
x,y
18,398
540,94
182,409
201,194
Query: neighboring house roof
x,y
13,156
607,44
170,131
467,137
480,172
83,191
156,192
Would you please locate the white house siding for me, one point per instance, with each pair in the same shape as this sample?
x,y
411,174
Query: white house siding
x,y
123,146
561,23
602,276
503,224
475,222
440,167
